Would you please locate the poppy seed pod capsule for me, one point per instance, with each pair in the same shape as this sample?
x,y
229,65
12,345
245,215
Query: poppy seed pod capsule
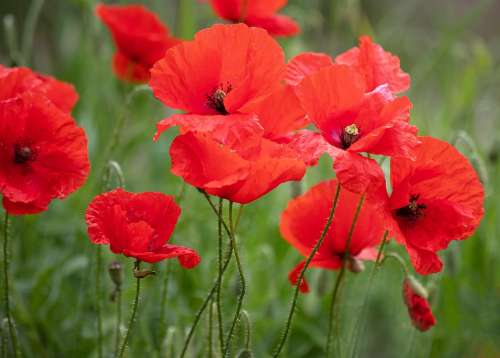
x,y
115,270
355,265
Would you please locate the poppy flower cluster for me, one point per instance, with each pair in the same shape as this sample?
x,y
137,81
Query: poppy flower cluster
x,y
43,152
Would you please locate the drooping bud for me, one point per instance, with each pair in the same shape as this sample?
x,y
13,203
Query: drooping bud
x,y
419,309
355,265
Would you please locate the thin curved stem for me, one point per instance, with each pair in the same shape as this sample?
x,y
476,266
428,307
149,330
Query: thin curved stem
x,y
12,329
163,304
118,320
29,30
218,297
358,326
242,282
339,280
210,330
315,249
133,314
216,283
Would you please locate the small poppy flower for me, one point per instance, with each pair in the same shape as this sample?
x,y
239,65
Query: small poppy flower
x,y
377,66
435,199
137,225
419,309
140,37
305,217
43,154
18,80
257,13
352,121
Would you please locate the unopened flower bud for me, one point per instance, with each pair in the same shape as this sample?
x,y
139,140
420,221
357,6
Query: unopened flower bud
x,y
355,265
419,309
115,270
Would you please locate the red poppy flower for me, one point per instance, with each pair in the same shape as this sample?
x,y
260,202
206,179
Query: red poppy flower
x,y
43,154
419,308
305,217
305,64
18,80
141,39
137,225
352,122
435,199
377,66
257,13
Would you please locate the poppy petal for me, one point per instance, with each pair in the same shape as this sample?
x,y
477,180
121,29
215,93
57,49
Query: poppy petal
x,y
304,65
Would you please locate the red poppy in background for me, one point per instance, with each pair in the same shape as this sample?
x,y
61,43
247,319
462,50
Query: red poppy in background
x,y
224,149
137,225
140,37
304,219
377,66
18,80
419,308
257,13
352,121
43,153
435,199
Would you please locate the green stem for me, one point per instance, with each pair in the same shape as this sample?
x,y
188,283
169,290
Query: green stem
x,y
242,281
98,296
216,283
210,330
315,249
358,327
163,304
218,297
118,319
134,312
340,277
29,29
12,329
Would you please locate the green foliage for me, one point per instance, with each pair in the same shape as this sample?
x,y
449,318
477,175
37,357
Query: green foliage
x,y
450,48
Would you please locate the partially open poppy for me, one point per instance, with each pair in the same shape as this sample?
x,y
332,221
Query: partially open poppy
x,y
352,121
137,225
43,154
419,308
18,80
305,217
257,13
435,199
140,37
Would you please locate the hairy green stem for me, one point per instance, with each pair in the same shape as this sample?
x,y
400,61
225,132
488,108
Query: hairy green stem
x,y
134,311
333,316
315,249
12,329
218,297
118,319
98,298
163,304
210,330
242,281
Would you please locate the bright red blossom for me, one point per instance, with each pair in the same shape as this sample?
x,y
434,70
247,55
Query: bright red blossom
x,y
43,153
305,217
228,144
140,37
352,121
419,308
137,225
435,199
18,80
257,13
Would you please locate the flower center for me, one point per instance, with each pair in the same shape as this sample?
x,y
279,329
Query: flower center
x,y
22,154
413,211
216,99
349,135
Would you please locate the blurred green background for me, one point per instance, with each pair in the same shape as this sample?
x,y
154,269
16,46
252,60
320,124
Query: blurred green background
x,y
451,48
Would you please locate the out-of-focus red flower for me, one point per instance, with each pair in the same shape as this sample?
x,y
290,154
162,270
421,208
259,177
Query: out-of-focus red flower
x,y
419,308
435,199
137,225
43,153
352,121
141,39
305,217
377,66
18,80
257,13
233,96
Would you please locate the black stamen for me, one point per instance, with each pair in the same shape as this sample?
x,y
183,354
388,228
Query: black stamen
x,y
349,135
413,211
22,154
216,99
